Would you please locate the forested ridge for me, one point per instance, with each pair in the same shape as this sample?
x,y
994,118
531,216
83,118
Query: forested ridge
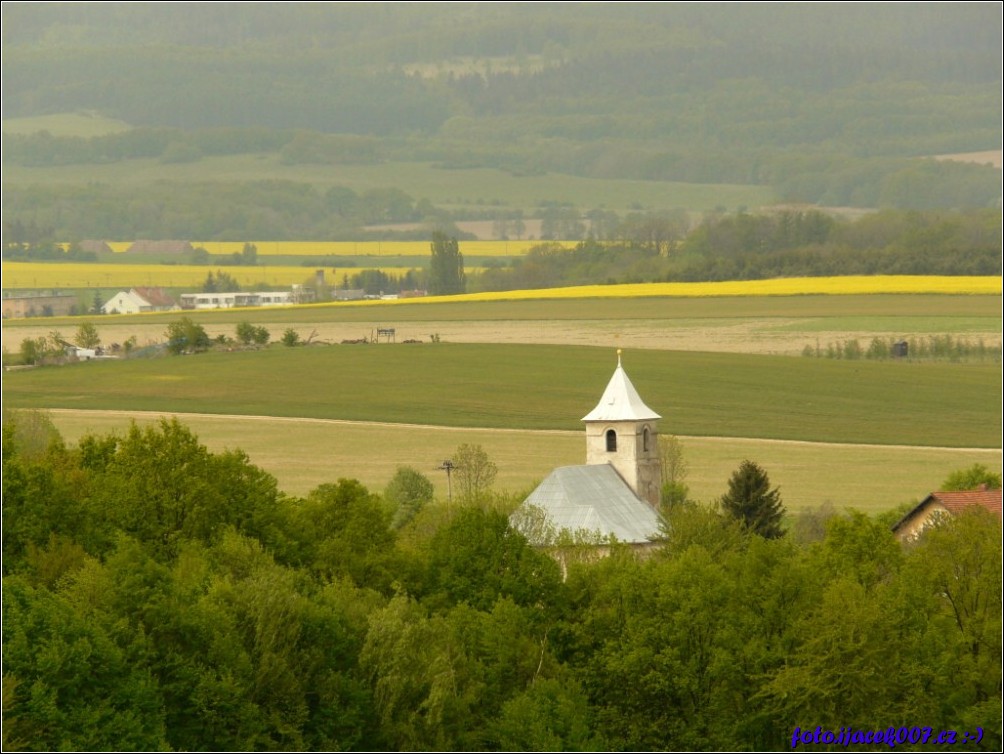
x,y
161,596
830,104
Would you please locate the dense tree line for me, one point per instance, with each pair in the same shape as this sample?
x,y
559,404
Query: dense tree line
x,y
209,211
161,596
834,179
787,244
636,247
746,246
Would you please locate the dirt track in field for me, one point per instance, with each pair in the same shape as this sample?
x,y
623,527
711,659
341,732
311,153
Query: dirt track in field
x,y
152,415
766,336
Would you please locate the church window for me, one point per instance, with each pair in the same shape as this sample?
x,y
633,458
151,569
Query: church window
x,y
644,439
611,441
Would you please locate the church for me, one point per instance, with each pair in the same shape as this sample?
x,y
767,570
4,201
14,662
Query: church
x,y
615,494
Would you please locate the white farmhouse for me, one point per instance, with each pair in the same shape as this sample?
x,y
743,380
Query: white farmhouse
x,y
138,300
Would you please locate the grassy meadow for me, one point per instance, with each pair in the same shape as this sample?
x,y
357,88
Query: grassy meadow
x,y
444,187
546,387
870,435
881,311
303,454
745,324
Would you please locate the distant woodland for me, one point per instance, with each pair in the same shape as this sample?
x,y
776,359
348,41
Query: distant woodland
x,y
826,104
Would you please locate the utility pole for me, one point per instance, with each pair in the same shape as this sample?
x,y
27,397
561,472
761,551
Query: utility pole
x,y
448,468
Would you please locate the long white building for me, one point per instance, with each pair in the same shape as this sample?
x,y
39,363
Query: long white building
x,y
245,298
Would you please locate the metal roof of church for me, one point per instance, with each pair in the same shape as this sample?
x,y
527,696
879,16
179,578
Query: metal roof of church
x,y
595,498
620,401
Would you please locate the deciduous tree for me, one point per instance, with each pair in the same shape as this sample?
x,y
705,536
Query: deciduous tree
x,y
407,491
86,335
971,479
474,473
674,471
185,336
446,268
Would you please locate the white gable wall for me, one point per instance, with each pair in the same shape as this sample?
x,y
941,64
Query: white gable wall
x,y
125,302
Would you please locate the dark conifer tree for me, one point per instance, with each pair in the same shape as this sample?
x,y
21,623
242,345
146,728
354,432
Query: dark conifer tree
x,y
751,501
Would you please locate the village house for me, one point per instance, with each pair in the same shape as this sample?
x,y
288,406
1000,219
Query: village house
x,y
615,494
938,505
54,304
138,300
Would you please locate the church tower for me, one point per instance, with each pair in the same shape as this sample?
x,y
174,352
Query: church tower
x,y
621,431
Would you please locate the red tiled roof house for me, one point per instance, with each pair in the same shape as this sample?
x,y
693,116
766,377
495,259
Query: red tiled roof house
x,y
937,505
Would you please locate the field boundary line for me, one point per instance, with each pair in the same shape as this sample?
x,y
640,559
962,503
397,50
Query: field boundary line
x,y
565,432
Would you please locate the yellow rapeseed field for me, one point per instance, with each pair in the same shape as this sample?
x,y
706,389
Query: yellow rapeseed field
x,y
46,275
859,284
360,248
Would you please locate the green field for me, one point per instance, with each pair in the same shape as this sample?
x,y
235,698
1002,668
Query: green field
x,y
83,124
304,454
443,187
547,387
722,404
915,313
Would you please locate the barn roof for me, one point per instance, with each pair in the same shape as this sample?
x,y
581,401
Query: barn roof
x,y
620,401
595,498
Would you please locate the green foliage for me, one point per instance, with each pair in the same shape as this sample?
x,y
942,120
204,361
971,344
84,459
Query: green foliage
x,y
478,557
688,524
75,688
223,282
446,268
39,350
248,334
186,336
407,491
162,487
158,596
87,336
752,502
932,348
674,467
28,433
290,337
473,473
343,531
972,478
551,715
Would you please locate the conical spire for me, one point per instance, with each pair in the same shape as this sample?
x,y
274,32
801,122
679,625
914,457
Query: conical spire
x,y
620,401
